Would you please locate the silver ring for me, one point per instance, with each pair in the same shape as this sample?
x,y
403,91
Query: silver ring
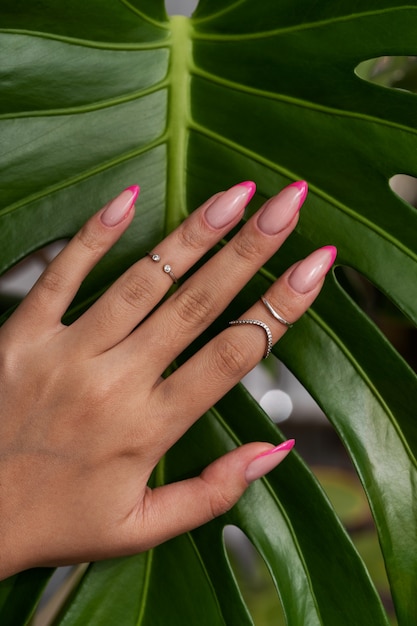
x,y
261,325
275,314
166,268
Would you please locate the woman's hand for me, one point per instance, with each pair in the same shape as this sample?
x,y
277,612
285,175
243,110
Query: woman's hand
x,y
84,413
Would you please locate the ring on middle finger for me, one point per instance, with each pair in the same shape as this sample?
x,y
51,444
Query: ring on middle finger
x,y
166,268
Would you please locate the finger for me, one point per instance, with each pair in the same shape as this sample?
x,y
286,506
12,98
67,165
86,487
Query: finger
x,y
219,365
50,297
179,507
207,293
141,288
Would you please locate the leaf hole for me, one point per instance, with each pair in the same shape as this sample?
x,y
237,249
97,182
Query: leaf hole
x,y
392,72
180,7
253,578
405,187
281,395
18,280
382,311
57,592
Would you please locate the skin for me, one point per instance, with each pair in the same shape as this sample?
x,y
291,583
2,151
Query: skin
x,y
85,413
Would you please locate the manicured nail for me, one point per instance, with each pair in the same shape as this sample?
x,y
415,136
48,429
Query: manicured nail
x,y
119,208
312,270
265,462
281,210
231,204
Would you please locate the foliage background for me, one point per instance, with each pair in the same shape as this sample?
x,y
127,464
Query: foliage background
x,y
98,94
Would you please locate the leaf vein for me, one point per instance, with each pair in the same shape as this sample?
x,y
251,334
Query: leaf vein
x,y
291,175
297,27
268,95
87,43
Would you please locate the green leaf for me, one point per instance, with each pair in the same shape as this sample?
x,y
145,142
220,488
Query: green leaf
x,y
19,595
202,590
98,95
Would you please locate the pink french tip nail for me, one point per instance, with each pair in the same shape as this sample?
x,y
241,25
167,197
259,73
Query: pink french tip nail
x,y
119,208
286,445
230,205
333,254
309,273
302,186
250,186
267,461
280,211
135,189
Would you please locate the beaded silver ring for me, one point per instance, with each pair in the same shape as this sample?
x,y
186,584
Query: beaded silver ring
x,y
262,325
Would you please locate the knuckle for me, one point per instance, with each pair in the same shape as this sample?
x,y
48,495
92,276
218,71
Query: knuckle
x,y
137,289
283,307
193,305
220,502
52,282
191,235
88,239
231,359
246,246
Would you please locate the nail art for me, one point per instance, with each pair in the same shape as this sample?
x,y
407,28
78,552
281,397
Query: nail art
x,y
118,209
250,186
279,211
230,205
265,462
308,274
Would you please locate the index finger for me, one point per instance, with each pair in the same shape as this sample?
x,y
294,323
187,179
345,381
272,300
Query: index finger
x,y
48,300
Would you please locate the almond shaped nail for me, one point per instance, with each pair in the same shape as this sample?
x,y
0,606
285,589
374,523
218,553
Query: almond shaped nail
x,y
230,205
280,210
118,209
309,273
267,461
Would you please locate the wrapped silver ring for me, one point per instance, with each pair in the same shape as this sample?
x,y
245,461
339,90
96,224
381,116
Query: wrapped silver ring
x,y
166,268
274,313
261,325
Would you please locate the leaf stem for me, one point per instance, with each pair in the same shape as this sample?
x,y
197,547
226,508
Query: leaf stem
x,y
178,121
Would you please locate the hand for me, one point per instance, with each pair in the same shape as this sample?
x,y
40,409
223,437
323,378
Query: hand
x,y
85,414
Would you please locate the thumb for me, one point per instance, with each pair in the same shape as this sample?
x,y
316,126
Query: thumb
x,y
177,508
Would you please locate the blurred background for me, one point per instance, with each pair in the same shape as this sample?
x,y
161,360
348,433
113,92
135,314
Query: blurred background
x,y
285,401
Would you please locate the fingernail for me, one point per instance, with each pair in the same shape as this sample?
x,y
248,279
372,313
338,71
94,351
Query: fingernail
x,y
230,204
119,208
281,210
266,461
312,270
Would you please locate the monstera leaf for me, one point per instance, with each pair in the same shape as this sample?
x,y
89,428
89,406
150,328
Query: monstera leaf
x,y
100,94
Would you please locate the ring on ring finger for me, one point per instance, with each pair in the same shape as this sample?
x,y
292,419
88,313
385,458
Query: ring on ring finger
x,y
265,327
275,314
